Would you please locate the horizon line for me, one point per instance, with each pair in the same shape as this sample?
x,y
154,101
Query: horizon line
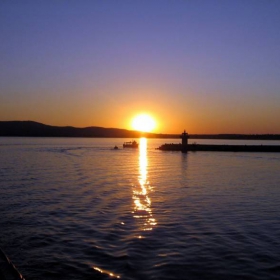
x,y
146,132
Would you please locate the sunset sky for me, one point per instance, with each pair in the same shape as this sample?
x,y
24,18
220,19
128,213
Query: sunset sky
x,y
204,66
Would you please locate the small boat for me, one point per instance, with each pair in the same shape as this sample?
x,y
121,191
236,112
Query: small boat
x,y
116,148
131,144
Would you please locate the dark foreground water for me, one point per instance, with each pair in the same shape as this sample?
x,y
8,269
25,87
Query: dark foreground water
x,y
76,209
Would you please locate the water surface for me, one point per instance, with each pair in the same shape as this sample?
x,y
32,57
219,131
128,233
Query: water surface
x,y
77,209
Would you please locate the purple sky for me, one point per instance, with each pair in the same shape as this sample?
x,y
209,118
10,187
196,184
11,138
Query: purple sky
x,y
205,66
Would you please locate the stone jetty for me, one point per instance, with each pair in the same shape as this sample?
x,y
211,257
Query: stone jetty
x,y
185,147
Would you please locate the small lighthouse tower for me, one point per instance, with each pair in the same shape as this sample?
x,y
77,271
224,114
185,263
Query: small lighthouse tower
x,y
185,137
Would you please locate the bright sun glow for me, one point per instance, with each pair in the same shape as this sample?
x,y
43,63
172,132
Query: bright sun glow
x,y
143,123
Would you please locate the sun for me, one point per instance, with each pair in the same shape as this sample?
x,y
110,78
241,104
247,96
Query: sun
x,y
144,123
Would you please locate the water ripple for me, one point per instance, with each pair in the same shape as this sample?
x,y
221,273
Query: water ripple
x,y
83,211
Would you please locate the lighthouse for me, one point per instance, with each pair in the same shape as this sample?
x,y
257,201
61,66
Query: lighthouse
x,y
185,137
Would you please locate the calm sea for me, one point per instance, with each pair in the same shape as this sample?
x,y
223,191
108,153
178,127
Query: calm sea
x,y
77,209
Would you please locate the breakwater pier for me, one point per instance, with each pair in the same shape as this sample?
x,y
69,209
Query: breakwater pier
x,y
185,147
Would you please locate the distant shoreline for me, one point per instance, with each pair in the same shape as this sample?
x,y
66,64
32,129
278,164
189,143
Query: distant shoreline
x,y
35,129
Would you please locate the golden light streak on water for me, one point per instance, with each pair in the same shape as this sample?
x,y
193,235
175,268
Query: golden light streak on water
x,y
106,272
142,202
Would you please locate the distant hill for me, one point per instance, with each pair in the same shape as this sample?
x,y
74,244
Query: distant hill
x,y
35,129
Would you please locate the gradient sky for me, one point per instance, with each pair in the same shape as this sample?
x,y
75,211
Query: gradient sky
x,y
204,66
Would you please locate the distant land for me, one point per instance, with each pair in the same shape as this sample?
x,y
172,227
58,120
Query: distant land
x,y
35,129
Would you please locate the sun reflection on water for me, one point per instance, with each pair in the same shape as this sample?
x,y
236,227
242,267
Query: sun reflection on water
x,y
142,202
106,272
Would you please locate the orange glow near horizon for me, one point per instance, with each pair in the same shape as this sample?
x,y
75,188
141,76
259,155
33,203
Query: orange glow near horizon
x,y
144,123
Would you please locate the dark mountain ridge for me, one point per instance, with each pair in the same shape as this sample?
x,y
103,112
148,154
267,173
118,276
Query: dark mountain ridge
x,y
35,129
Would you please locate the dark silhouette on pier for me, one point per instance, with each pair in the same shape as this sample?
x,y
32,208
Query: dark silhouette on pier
x,y
184,147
